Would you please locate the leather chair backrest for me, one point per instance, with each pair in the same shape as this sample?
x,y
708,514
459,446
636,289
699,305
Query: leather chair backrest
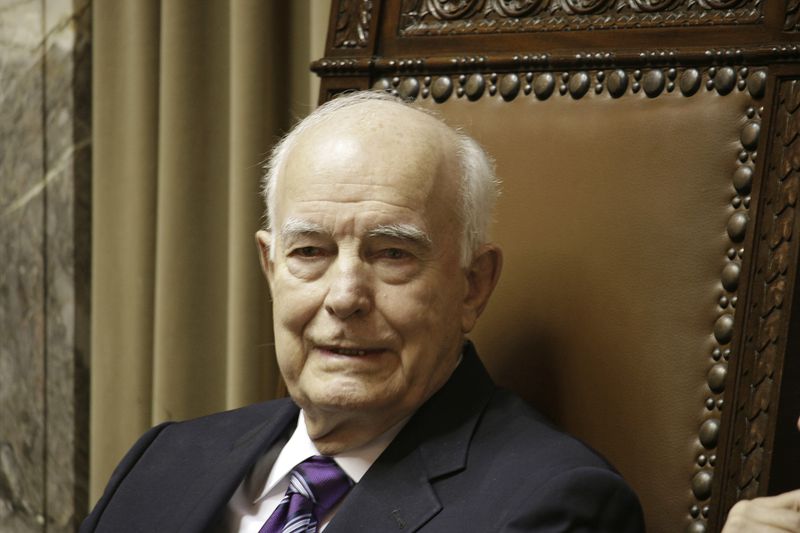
x,y
650,176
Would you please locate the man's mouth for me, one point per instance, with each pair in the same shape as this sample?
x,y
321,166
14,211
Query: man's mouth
x,y
354,352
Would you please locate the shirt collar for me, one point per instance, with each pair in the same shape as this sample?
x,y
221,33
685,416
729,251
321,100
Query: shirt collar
x,y
300,447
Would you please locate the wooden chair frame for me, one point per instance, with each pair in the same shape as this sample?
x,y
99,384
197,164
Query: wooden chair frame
x,y
447,49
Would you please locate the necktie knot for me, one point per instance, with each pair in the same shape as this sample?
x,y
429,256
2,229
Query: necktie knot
x,y
320,479
315,487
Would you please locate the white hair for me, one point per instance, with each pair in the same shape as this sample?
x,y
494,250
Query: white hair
x,y
479,187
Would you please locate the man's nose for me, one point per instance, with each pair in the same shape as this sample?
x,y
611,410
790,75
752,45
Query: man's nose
x,y
349,293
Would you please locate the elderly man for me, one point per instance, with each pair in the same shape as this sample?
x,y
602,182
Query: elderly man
x,y
377,258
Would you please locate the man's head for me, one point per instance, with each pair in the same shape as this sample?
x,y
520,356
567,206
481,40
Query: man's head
x,y
376,260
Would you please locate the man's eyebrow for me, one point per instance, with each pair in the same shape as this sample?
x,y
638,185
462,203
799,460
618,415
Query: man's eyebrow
x,y
406,232
297,227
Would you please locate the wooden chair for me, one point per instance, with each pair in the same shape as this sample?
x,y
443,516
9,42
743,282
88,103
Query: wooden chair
x,y
650,153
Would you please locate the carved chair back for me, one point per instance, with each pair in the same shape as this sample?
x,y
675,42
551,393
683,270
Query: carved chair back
x,y
651,164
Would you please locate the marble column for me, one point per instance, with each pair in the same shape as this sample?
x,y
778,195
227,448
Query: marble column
x,y
45,194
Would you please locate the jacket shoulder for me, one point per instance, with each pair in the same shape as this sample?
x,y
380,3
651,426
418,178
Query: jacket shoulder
x,y
176,464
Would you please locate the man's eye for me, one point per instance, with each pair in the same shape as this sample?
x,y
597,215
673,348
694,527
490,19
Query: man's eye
x,y
306,251
394,254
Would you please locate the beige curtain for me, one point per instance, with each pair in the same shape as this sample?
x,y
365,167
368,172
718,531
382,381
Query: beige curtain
x,y
188,98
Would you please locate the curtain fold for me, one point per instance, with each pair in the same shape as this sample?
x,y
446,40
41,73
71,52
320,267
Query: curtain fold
x,y
188,99
124,167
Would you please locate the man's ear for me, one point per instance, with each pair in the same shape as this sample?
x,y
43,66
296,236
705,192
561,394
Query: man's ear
x,y
264,241
482,276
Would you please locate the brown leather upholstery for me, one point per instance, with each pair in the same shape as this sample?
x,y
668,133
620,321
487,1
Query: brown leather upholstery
x,y
647,220
613,251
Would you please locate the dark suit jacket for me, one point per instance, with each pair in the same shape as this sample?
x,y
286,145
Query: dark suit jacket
x,y
473,458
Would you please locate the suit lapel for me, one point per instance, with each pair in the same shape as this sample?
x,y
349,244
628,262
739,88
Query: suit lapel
x,y
398,491
221,478
394,494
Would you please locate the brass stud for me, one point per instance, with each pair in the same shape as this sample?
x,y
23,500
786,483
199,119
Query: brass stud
x,y
743,179
409,88
750,134
617,83
653,83
696,526
509,86
716,377
723,328
442,88
544,85
709,433
382,84
701,485
756,83
690,82
578,85
737,226
474,86
725,80
730,276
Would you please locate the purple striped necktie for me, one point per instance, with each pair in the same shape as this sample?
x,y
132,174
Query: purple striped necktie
x,y
315,487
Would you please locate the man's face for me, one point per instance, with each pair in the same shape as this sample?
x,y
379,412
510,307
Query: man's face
x,y
368,291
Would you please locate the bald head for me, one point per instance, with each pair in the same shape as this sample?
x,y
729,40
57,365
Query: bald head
x,y
381,126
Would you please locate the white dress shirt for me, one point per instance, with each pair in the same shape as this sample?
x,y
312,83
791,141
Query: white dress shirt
x,y
263,488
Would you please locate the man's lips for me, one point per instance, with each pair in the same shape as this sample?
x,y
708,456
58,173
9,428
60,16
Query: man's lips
x,y
349,351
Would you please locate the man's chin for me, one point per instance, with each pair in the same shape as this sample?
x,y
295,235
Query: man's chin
x,y
342,400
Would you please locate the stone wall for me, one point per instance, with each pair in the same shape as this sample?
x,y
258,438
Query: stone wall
x,y
45,188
